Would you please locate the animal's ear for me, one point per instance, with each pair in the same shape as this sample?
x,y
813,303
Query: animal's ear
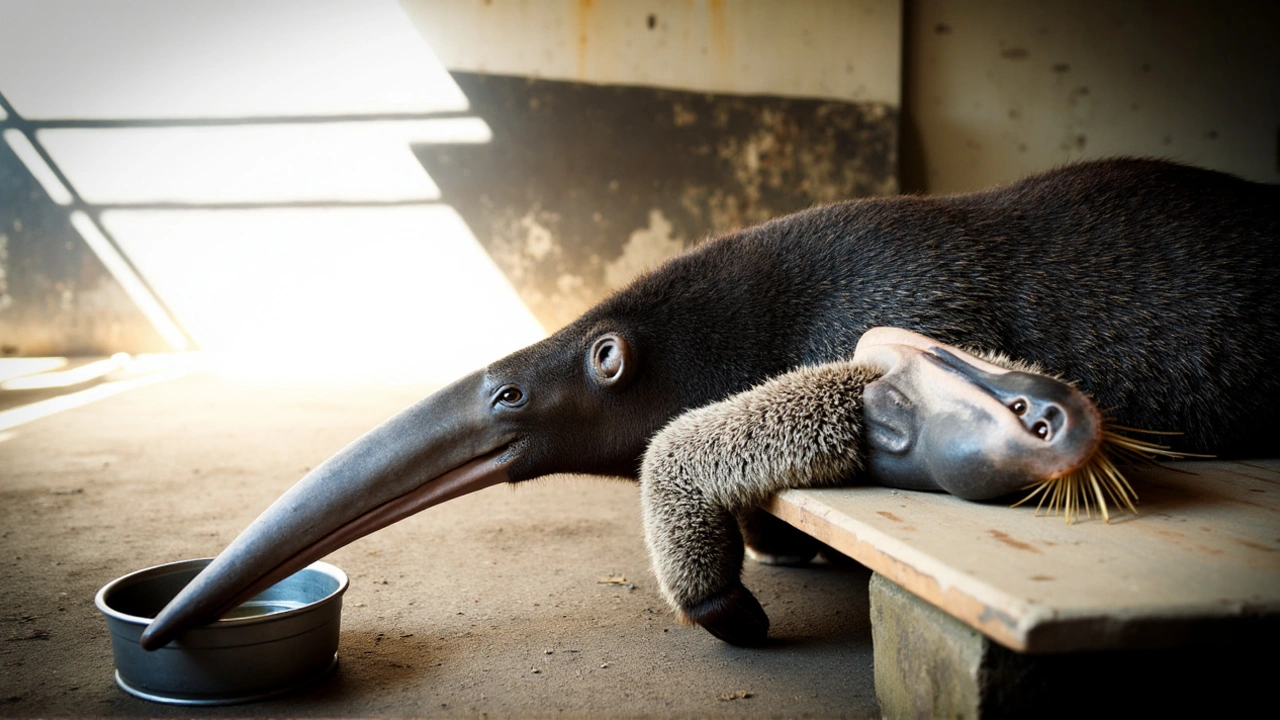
x,y
612,361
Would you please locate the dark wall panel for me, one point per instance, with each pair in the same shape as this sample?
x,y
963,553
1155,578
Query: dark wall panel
x,y
583,185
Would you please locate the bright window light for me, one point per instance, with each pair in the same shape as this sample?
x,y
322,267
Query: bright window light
x,y
11,368
128,279
24,414
231,58
338,286
340,162
67,378
305,111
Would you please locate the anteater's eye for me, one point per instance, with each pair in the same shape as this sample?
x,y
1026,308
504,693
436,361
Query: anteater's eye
x,y
510,395
1019,406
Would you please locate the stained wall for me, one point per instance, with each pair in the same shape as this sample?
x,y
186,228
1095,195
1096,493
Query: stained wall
x,y
996,89
626,132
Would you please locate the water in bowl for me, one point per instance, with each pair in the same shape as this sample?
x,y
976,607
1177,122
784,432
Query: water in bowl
x,y
258,608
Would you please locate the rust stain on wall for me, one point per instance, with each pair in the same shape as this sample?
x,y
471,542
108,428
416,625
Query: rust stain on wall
x,y
584,21
721,41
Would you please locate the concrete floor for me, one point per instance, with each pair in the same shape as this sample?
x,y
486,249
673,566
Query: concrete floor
x,y
490,605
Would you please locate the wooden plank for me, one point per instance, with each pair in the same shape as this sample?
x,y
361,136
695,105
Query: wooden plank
x,y
1204,551
1270,468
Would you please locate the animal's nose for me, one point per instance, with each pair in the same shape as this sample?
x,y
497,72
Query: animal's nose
x,y
1043,418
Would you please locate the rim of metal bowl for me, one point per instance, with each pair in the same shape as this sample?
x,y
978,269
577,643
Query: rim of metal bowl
x,y
320,566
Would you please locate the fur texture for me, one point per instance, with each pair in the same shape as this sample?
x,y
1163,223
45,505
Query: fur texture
x,y
1008,363
712,464
1147,284
704,476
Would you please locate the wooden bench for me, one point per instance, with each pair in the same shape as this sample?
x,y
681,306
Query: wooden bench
x,y
1198,567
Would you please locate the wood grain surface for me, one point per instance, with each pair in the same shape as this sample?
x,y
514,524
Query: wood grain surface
x,y
1201,559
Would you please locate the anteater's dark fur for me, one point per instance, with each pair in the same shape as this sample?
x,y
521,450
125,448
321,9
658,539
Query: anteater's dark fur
x,y
1154,286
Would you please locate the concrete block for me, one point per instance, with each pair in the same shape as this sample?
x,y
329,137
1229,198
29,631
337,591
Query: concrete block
x,y
930,665
927,664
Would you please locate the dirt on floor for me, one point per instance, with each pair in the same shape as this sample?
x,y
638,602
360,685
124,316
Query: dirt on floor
x,y
497,604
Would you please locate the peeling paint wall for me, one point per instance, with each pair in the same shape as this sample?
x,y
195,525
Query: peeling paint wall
x,y
628,131
584,186
997,89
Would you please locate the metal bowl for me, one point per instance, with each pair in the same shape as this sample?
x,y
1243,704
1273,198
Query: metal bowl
x,y
279,640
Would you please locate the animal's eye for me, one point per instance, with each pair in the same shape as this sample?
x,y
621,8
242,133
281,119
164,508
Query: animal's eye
x,y
1041,429
510,395
1019,406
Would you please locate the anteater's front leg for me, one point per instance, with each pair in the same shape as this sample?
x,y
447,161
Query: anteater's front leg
x,y
801,429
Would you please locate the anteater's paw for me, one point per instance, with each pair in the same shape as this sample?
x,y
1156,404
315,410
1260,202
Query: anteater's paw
x,y
733,615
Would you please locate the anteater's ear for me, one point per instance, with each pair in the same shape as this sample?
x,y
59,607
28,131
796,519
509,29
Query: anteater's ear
x,y
612,361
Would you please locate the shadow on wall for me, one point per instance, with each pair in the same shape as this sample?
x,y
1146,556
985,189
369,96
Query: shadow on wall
x,y
584,186
56,296
265,236
277,207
